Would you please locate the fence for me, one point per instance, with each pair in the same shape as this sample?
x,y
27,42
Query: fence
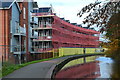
x,y
72,51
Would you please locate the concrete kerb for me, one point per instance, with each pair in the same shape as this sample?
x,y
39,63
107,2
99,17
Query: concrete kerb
x,y
50,72
56,68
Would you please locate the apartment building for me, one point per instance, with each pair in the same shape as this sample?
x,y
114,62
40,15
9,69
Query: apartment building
x,y
15,30
55,33
30,33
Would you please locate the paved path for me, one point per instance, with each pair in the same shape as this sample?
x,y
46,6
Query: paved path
x,y
37,70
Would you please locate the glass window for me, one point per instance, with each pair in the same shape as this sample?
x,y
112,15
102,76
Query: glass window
x,y
24,13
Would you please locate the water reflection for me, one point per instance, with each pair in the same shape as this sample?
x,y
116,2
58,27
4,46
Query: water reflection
x,y
80,68
105,65
109,68
104,68
80,61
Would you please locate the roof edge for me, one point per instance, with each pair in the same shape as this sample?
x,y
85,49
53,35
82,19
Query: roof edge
x,y
11,4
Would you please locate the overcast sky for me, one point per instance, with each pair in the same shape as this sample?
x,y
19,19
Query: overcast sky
x,y
66,8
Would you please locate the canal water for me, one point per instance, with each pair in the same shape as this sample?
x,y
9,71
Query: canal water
x,y
105,65
109,68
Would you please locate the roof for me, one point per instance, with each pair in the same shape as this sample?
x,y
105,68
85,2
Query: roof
x,y
86,27
75,26
35,5
43,10
79,25
67,21
6,3
62,18
47,9
74,23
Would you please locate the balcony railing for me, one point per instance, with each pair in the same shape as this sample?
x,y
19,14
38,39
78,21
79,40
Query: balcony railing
x,y
33,22
33,34
19,49
43,14
20,31
43,26
44,38
42,50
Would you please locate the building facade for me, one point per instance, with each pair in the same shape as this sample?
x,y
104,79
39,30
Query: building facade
x,y
55,33
9,18
15,30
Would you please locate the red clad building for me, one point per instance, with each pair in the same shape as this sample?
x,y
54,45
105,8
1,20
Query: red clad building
x,y
55,32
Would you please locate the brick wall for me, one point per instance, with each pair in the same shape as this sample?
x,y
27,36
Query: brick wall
x,y
5,33
24,21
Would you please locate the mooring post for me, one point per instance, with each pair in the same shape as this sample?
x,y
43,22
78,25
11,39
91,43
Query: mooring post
x,y
84,52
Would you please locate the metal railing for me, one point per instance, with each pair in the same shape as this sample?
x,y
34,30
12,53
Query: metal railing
x,y
20,30
19,49
41,14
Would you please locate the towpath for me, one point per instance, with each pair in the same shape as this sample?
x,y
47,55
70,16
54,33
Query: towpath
x,y
37,70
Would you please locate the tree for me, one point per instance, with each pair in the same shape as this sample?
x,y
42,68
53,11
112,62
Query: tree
x,y
106,16
100,13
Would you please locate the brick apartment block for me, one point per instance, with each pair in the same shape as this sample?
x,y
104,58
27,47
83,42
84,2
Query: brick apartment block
x,y
15,30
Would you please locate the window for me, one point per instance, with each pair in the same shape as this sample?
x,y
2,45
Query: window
x,y
24,13
32,18
24,25
17,27
11,26
35,11
17,24
24,28
32,33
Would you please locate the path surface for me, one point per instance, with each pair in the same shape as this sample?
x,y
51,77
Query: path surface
x,y
37,70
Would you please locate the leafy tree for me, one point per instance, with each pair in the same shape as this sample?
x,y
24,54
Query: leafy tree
x,y
106,16
100,13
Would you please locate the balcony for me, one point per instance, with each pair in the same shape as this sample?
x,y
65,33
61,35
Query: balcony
x,y
44,38
33,22
19,50
46,14
20,31
42,50
43,26
33,34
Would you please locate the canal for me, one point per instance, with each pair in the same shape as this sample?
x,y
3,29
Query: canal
x,y
94,67
105,64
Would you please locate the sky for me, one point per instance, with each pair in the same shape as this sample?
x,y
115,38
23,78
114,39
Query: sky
x,y
66,8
